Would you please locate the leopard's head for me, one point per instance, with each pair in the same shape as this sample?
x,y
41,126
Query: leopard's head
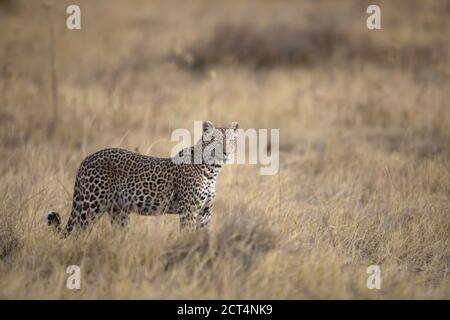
x,y
218,144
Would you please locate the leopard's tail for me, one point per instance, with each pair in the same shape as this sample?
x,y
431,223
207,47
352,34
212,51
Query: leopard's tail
x,y
54,220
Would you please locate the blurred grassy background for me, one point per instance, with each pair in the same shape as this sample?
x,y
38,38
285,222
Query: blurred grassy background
x,y
364,135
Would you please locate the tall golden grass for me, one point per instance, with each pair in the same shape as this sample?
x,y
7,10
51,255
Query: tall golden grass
x,y
365,145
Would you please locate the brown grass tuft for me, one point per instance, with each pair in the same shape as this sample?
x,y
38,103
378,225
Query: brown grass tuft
x,y
286,45
9,241
240,237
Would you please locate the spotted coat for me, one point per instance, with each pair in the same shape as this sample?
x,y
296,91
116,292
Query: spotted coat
x,y
119,182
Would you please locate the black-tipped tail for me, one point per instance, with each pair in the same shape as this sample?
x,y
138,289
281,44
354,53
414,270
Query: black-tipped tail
x,y
54,220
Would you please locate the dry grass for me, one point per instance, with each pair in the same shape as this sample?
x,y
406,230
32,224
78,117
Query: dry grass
x,y
365,170
263,47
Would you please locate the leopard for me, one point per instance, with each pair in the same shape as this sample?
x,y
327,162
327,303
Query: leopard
x,y
120,182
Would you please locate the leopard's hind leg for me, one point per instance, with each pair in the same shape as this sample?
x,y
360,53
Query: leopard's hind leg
x,y
119,216
118,211
87,207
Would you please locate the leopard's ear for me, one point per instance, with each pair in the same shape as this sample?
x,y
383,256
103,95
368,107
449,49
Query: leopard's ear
x,y
207,126
234,125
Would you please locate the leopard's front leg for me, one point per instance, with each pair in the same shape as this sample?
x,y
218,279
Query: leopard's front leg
x,y
204,216
188,215
188,221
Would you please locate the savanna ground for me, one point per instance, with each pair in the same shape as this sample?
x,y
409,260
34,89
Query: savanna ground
x,y
364,122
